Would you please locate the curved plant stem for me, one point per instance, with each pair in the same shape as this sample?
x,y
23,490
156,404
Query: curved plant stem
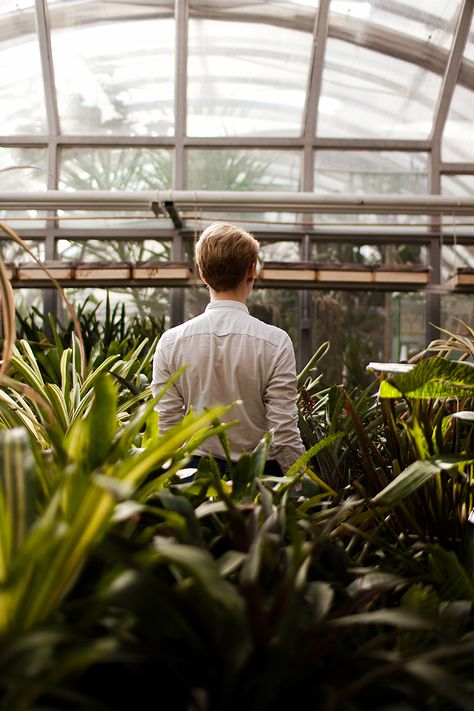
x,y
77,329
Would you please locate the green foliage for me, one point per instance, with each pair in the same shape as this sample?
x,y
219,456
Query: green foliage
x,y
116,331
345,584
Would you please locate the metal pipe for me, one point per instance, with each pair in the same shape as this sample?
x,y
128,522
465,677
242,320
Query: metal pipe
x,y
238,201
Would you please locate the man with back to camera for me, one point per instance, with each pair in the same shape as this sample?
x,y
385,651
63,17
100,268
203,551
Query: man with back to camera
x,y
231,356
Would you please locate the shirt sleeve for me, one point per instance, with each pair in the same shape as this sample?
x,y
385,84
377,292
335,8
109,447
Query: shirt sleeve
x,y
281,410
170,406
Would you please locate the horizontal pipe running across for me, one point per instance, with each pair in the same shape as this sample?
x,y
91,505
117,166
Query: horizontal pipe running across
x,y
425,204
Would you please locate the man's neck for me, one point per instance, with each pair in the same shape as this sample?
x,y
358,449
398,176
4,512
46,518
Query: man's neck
x,y
232,295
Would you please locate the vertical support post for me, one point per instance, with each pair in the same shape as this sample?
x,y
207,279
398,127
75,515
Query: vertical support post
x,y
433,299
305,297
305,315
179,174
460,37
50,296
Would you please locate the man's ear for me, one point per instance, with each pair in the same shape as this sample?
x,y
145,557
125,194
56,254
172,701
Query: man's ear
x,y
202,278
252,272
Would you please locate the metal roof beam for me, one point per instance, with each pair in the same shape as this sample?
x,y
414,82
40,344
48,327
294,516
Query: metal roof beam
x,y
313,91
451,73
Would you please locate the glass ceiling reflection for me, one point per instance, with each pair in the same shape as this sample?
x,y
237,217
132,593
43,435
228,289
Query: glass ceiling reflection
x,y
249,66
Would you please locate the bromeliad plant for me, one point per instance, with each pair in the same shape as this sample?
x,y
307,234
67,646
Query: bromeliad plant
x,y
116,332
49,406
406,458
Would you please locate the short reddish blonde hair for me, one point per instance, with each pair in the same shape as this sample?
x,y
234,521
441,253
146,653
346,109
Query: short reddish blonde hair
x,y
224,254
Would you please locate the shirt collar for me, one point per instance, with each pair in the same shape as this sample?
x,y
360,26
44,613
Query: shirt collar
x,y
227,304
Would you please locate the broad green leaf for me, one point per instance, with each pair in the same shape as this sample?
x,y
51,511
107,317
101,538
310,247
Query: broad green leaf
x,y
229,561
84,530
131,430
445,684
260,453
466,415
431,378
320,353
106,365
414,476
297,469
76,441
135,468
395,617
30,358
151,429
201,566
66,362
17,493
102,420
27,373
55,397
321,596
83,404
456,583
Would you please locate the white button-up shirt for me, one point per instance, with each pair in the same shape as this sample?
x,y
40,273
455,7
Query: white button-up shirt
x,y
232,356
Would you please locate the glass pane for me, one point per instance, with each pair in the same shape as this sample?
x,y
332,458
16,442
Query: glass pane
x,y
363,326
370,254
408,324
457,186
22,106
456,308
130,219
279,251
114,251
469,48
12,252
115,169
367,94
368,172
250,221
140,302
23,168
458,137
195,301
457,256
246,78
243,170
26,299
114,71
278,307
431,21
